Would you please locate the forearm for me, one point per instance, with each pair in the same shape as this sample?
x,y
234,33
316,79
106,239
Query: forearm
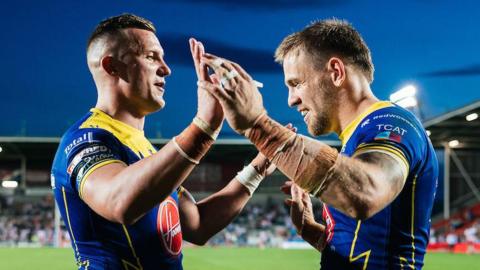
x,y
135,189
301,159
204,219
342,182
219,209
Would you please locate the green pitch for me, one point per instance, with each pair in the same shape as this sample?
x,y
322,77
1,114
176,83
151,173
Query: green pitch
x,y
218,258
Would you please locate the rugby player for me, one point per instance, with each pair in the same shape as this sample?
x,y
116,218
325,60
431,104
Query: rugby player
x,y
120,198
378,191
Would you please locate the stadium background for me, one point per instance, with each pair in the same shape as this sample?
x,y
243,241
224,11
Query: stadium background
x,y
45,86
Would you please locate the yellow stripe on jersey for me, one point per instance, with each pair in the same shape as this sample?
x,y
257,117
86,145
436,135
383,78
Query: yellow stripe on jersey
x,y
412,228
131,247
129,266
91,170
348,131
385,144
365,254
392,151
70,225
131,137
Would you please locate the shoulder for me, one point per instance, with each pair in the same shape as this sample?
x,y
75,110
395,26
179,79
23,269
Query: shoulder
x,y
394,129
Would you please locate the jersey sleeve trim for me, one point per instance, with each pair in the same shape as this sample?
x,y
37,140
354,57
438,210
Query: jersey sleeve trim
x,y
389,150
91,170
348,131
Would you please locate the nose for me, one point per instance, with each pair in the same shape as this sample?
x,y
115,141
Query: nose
x,y
293,99
163,69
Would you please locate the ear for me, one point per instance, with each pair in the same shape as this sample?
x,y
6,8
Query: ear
x,y
108,64
337,71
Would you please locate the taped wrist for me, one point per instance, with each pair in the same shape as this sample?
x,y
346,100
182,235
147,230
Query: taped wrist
x,y
205,127
268,136
193,143
304,160
250,178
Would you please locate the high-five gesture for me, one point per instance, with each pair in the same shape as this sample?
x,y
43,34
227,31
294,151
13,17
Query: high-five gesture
x,y
241,101
209,110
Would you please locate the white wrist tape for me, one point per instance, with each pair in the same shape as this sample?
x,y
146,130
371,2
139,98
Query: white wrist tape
x,y
206,128
250,178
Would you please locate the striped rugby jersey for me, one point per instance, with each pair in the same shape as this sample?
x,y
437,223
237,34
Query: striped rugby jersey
x,y
397,236
153,242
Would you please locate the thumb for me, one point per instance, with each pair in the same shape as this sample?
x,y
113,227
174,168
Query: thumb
x,y
288,202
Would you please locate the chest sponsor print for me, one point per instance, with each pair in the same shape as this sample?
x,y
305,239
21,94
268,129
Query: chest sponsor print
x,y
168,227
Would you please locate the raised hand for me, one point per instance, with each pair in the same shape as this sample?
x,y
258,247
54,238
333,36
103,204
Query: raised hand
x,y
241,101
209,109
301,211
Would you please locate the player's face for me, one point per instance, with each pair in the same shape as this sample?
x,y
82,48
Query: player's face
x,y
145,71
311,91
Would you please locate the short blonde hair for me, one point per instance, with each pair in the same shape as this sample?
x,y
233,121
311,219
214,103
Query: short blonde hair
x,y
326,38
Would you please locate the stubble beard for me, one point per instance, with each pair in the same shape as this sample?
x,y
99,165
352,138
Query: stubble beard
x,y
320,121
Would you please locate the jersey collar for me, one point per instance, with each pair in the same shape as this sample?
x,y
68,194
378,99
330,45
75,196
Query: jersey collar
x,y
352,126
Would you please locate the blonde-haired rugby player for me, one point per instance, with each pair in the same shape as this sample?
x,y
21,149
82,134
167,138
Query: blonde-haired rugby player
x,y
379,190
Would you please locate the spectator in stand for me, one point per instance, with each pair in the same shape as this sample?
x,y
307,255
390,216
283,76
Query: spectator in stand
x,y
452,239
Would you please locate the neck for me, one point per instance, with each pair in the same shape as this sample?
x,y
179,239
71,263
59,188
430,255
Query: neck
x,y
353,100
122,112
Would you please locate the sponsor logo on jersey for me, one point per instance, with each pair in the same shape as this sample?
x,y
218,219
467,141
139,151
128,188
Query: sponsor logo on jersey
x,y
387,127
86,137
91,150
90,155
330,222
389,136
168,227
366,122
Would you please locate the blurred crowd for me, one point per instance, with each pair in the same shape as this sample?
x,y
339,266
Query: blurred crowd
x,y
463,229
26,222
31,223
262,225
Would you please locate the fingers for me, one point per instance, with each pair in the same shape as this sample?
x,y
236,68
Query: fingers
x,y
241,71
230,79
198,50
214,78
215,89
193,51
286,187
291,127
223,69
305,198
288,202
203,69
295,193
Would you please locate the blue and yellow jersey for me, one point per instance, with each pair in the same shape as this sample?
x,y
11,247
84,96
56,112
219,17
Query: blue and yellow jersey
x,y
153,242
397,236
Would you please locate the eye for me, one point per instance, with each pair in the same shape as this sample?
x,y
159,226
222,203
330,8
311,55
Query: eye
x,y
296,84
151,57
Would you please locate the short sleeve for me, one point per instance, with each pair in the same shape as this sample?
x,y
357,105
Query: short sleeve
x,y
394,132
88,150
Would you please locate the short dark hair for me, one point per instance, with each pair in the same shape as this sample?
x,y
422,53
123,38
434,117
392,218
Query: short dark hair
x,y
114,24
326,38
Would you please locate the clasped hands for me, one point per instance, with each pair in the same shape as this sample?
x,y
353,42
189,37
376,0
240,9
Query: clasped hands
x,y
234,89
